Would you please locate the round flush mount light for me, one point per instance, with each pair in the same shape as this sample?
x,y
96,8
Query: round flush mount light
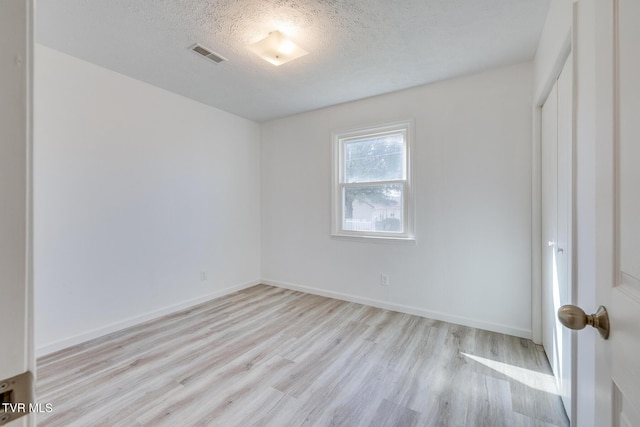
x,y
277,49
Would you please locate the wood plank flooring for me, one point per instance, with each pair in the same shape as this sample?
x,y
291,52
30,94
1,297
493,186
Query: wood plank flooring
x,y
272,357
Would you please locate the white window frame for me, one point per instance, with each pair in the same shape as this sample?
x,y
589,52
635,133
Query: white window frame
x,y
339,138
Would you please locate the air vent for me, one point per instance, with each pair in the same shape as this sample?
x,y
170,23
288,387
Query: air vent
x,y
203,51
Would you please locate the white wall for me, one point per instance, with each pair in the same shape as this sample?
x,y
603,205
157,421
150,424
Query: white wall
x,y
471,261
137,191
553,48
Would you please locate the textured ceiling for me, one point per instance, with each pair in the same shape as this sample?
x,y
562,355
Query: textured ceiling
x,y
357,48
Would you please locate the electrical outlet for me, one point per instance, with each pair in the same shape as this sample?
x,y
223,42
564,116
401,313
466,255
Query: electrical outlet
x,y
203,276
384,279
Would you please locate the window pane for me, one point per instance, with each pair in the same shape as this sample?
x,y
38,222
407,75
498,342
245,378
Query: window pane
x,y
375,159
375,208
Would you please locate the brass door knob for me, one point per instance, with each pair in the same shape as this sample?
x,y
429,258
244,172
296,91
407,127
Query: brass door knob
x,y
575,318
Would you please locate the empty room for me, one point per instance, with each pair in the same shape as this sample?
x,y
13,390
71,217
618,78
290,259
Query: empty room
x,y
320,212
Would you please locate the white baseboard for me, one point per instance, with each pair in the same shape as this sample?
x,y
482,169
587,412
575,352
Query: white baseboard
x,y
487,326
132,321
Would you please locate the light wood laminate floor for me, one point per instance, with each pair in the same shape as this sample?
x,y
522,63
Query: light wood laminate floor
x,y
272,357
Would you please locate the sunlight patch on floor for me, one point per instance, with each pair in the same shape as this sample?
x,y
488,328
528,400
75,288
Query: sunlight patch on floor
x,y
533,379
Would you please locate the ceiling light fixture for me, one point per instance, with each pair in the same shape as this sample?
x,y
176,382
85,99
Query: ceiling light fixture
x,y
277,49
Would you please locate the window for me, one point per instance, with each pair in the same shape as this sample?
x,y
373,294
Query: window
x,y
372,194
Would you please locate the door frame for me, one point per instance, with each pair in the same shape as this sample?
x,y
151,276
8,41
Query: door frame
x,y
20,52
594,28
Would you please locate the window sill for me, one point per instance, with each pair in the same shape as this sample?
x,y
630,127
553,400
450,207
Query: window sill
x,y
375,239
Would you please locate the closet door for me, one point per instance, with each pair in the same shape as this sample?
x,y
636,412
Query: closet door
x,y
556,228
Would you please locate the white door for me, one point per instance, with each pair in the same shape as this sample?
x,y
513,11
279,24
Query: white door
x,y
15,266
556,184
623,288
549,161
608,208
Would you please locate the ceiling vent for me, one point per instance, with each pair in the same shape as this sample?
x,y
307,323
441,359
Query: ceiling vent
x,y
203,51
